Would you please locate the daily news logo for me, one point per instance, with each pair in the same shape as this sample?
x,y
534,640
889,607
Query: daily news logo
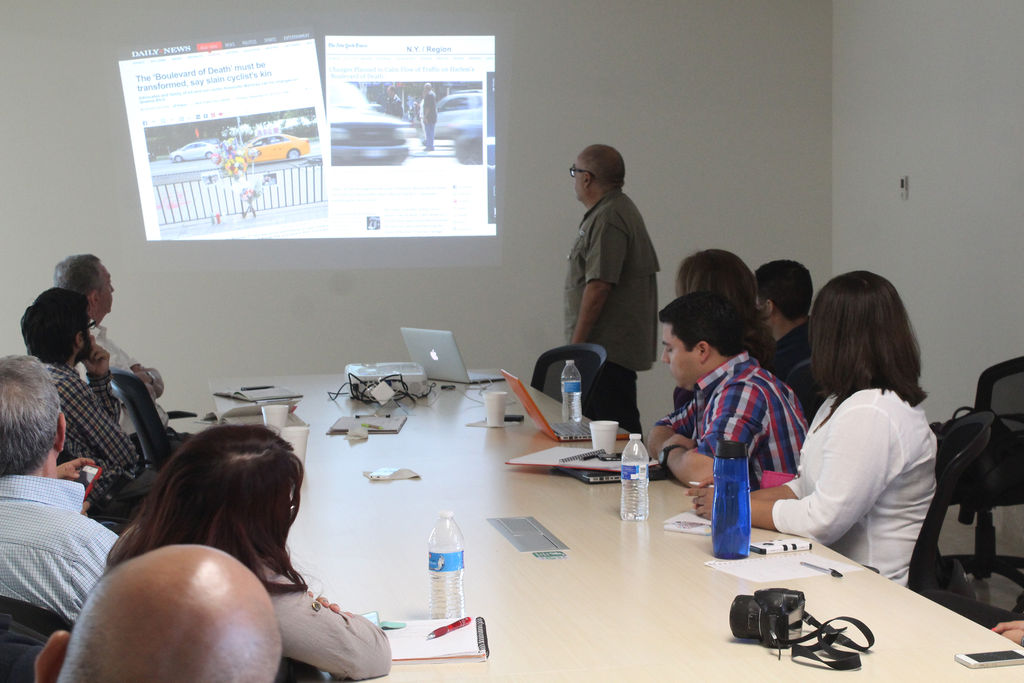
x,y
161,51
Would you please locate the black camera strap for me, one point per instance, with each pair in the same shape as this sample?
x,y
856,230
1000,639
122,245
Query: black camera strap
x,y
828,636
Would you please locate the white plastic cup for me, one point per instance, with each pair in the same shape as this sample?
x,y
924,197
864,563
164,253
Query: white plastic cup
x,y
494,402
602,435
276,416
298,437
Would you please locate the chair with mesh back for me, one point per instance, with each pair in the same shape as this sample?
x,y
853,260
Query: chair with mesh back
x,y
961,445
997,477
129,389
547,372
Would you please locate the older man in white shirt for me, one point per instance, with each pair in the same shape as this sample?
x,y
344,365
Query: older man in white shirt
x,y
51,555
86,274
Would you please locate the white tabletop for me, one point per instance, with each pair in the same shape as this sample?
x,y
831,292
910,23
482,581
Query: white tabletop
x,y
630,601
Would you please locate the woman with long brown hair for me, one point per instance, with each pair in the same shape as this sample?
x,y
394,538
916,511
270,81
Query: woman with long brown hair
x,y
236,488
867,466
725,274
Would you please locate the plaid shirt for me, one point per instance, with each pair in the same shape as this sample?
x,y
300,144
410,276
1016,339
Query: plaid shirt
x,y
92,413
741,401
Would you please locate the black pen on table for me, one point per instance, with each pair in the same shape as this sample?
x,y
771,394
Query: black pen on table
x,y
438,632
827,570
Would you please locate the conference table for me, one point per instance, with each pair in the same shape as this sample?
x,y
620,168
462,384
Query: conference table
x,y
628,602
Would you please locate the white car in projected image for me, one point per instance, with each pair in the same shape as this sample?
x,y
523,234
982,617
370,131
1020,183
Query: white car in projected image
x,y
361,135
193,151
458,111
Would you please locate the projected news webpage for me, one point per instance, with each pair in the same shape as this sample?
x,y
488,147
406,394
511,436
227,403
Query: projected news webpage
x,y
227,138
231,138
412,135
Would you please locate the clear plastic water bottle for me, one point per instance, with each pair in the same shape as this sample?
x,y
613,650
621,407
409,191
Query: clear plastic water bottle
x,y
633,505
572,393
445,565
730,509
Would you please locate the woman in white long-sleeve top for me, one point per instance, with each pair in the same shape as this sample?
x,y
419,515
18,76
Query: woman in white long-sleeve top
x,y
236,488
867,466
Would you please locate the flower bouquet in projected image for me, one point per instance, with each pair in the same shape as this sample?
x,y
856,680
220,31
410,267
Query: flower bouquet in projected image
x,y
234,163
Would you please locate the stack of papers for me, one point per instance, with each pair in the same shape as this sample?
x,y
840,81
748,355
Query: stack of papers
x,y
780,567
689,522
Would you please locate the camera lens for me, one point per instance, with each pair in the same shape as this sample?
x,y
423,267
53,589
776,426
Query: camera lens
x,y
744,616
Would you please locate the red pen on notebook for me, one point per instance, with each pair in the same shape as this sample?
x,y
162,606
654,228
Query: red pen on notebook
x,y
438,632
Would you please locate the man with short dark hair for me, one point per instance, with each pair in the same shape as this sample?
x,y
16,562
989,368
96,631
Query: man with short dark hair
x,y
177,613
611,293
734,398
784,293
50,554
56,329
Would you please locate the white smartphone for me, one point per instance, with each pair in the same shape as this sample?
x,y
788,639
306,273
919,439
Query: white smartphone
x,y
984,660
87,477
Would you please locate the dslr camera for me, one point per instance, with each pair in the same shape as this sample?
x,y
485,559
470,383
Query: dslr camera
x,y
772,616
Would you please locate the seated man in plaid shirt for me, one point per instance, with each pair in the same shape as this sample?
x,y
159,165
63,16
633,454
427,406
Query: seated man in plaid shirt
x,y
57,331
734,397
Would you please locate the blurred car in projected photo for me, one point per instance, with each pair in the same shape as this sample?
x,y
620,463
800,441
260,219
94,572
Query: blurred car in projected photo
x,y
454,110
362,135
469,143
200,149
277,146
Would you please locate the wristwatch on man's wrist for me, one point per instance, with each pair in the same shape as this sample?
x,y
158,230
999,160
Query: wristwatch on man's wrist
x,y
663,456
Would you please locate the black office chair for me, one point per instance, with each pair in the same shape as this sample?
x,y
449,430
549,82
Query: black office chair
x,y
997,478
33,619
132,392
547,372
961,445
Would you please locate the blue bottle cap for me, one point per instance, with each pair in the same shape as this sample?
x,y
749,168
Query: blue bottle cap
x,y
731,449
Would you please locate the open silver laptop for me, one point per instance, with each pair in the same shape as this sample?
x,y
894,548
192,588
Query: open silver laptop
x,y
439,355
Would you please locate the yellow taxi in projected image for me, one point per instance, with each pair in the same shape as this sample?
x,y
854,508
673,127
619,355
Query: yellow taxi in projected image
x,y
276,147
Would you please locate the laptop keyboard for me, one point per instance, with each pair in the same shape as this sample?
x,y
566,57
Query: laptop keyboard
x,y
572,430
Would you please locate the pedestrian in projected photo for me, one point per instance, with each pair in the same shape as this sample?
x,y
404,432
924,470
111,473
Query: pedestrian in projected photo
x,y
393,103
429,115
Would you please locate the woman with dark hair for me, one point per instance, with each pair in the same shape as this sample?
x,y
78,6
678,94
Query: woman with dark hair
x,y
236,488
725,274
867,466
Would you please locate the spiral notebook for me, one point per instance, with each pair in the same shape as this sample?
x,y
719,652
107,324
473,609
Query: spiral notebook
x,y
409,645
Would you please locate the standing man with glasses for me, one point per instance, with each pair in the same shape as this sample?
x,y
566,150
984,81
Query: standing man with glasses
x,y
611,295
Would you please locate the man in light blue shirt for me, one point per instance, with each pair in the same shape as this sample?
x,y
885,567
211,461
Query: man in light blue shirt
x,y
51,555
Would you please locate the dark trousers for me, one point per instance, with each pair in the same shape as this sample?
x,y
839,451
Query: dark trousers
x,y
613,397
428,136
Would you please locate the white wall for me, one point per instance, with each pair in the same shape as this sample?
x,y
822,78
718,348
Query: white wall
x,y
722,110
932,89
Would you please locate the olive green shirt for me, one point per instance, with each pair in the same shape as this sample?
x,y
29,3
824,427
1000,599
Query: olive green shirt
x,y
613,246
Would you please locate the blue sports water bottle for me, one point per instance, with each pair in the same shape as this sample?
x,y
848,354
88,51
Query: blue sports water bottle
x,y
730,511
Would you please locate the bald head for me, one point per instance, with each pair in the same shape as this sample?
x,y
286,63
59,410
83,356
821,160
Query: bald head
x,y
178,613
605,163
